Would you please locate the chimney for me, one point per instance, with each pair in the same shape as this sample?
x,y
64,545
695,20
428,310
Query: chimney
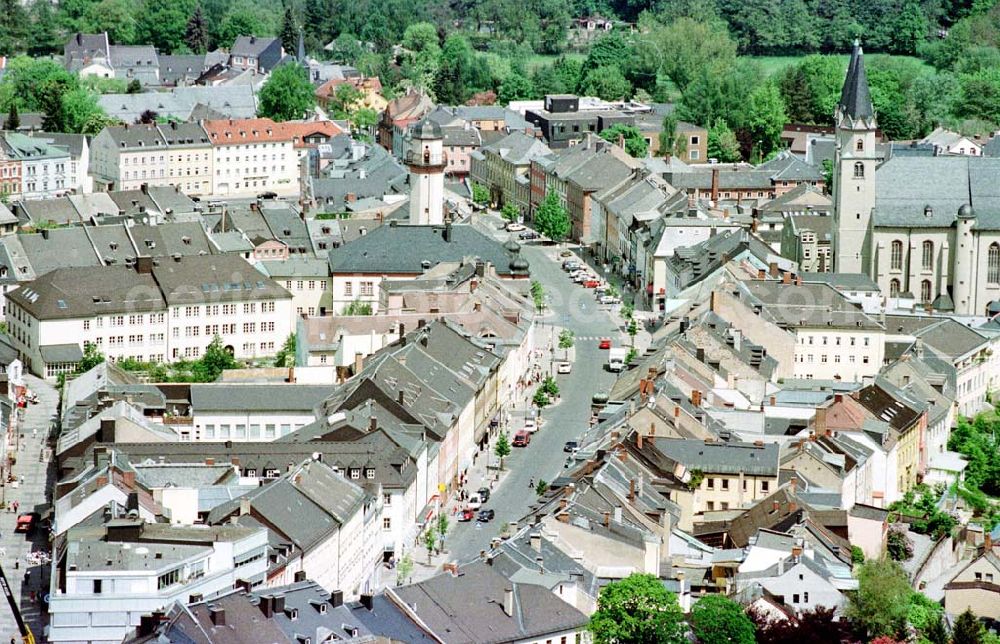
x,y
775,506
336,598
631,490
144,265
540,562
638,440
359,361
209,461
508,601
820,422
838,398
796,552
278,602
536,542
266,606
368,601
772,400
129,479
218,615
618,513
447,230
699,353
607,519
696,397
786,278
793,483
772,269
987,540
372,424
45,233
715,186
399,397
761,273
106,431
244,506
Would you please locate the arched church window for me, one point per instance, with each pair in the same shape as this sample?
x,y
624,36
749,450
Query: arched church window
x,y
896,256
894,288
927,256
860,146
859,170
993,264
925,291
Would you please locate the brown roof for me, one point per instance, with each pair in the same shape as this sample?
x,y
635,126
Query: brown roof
x,y
235,131
297,131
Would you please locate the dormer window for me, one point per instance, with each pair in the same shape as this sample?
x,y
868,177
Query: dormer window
x,y
370,473
355,473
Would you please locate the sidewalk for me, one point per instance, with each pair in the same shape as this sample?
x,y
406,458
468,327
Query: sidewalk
x,y
33,463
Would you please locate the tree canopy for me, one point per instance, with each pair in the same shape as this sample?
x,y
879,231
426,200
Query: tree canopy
x,y
287,94
880,605
551,218
637,610
716,619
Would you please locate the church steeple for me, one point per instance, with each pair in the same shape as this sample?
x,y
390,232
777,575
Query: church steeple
x,y
855,99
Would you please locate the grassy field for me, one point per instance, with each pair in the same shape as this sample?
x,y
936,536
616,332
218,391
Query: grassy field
x,y
775,64
537,60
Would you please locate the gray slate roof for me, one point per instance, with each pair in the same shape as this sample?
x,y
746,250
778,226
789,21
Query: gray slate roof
x,y
855,101
271,397
722,458
400,249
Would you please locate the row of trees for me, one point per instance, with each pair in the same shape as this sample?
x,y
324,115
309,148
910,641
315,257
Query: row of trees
x,y
41,85
884,609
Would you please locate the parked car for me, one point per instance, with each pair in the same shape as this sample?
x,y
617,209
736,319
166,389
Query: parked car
x,y
593,282
475,502
485,516
529,235
26,522
514,227
564,367
566,253
530,425
466,515
268,195
571,446
521,439
570,265
605,343
609,299
484,493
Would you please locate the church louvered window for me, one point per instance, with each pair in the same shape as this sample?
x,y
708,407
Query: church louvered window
x,y
896,256
993,264
859,170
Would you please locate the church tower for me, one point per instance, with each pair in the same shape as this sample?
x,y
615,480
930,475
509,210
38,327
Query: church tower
x,y
426,160
854,165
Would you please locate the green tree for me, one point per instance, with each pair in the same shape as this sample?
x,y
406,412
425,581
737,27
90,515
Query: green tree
x,y
857,555
541,488
287,94
196,33
550,386
935,631
289,32
480,194
163,24
716,619
551,219
316,23
668,135
36,85
80,113
133,87
607,82
13,121
421,62
345,100
811,87
910,28
632,328
637,610
286,354
765,119
242,22
404,569
91,358
540,399
879,606
363,120
611,50
13,27
460,72
538,295
635,143
515,88
502,447
689,49
44,38
566,340
117,17
722,143
430,540
357,307
213,362
968,629
441,525
510,212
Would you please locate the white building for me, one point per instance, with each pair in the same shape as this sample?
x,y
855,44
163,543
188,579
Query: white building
x,y
44,166
252,156
108,577
128,156
157,311
250,412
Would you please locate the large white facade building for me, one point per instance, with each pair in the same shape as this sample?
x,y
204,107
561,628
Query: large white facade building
x,y
159,311
252,156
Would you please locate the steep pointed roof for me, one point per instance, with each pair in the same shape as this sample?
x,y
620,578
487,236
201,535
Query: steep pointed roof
x,y
855,99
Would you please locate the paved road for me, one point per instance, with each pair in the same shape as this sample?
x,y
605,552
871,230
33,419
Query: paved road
x,y
38,477
575,308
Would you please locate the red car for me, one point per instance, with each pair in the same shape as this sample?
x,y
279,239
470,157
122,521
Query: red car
x,y
521,439
605,343
591,283
467,514
26,523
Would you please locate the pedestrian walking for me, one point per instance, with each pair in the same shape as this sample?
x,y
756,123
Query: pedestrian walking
x,y
531,483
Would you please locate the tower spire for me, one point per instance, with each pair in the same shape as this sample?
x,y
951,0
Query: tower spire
x,y
855,99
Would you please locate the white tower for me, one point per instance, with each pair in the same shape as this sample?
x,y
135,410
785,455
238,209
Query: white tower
x,y
854,166
964,274
426,160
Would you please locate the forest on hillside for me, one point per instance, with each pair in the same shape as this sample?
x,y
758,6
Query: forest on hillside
x,y
937,62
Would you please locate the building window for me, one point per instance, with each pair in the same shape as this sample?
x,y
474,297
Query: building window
x,y
896,256
860,145
925,291
859,170
893,288
927,255
993,264
386,523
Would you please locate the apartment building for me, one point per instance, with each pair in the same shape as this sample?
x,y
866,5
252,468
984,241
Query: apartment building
x,y
123,157
44,166
156,310
251,156
107,577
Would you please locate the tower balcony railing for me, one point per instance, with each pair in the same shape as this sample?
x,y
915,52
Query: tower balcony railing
x,y
427,158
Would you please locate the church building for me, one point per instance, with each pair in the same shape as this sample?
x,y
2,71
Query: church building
x,y
923,228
